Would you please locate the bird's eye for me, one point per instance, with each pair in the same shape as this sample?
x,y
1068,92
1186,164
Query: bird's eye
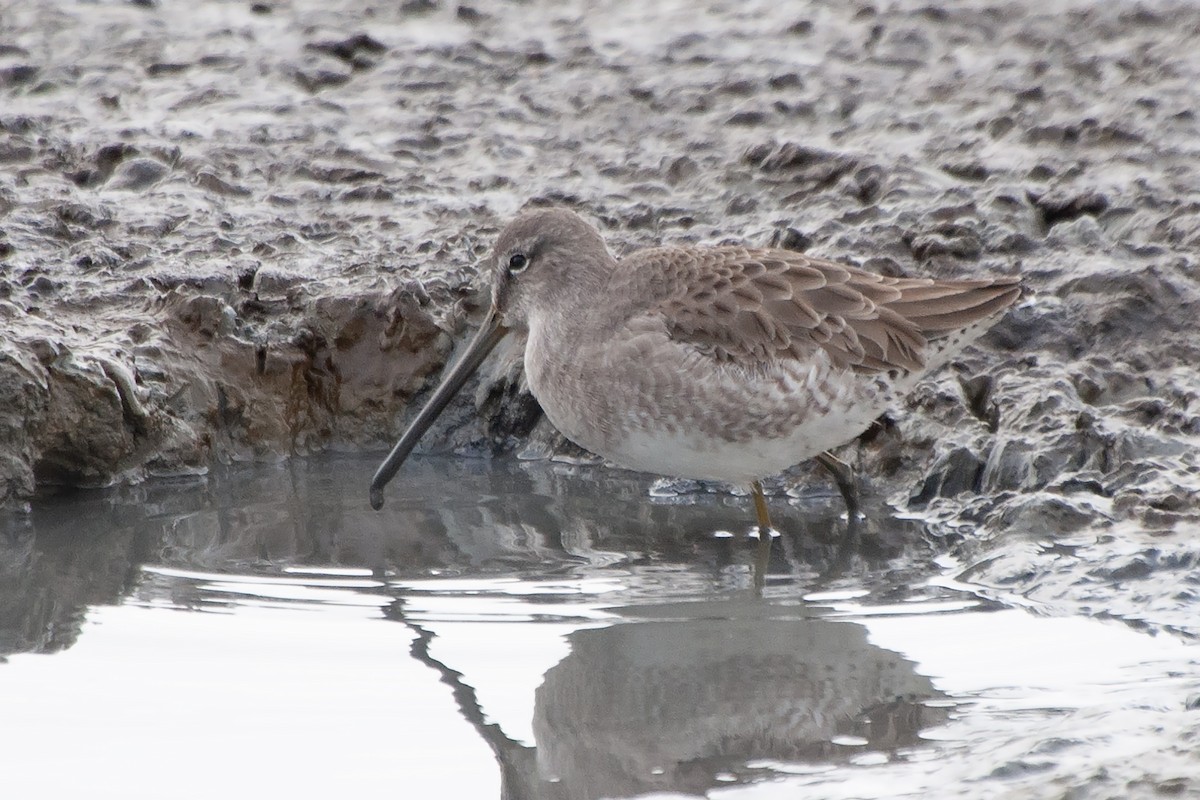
x,y
518,262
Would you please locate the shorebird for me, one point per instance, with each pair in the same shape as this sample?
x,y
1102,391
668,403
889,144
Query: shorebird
x,y
717,363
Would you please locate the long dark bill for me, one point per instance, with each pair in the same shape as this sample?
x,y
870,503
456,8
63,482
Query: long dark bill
x,y
483,343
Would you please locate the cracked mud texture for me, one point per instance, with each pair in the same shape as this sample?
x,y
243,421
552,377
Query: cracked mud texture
x,y
250,230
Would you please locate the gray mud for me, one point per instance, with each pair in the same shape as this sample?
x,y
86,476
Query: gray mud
x,y
249,230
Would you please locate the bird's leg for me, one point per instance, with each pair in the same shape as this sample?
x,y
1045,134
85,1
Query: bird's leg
x,y
843,476
760,508
763,558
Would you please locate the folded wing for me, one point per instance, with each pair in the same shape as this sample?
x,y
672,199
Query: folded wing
x,y
755,307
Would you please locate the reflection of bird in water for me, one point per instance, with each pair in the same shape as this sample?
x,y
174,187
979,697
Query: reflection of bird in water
x,y
688,705
669,705
718,363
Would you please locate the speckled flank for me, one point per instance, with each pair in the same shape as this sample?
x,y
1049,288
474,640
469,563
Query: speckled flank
x,y
720,363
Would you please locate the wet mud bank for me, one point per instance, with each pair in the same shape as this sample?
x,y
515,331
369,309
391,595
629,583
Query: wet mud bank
x,y
242,230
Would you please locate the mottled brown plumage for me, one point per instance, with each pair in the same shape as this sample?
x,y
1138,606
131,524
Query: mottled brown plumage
x,y
750,305
726,363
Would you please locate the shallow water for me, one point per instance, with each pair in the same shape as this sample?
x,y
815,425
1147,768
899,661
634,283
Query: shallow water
x,y
542,630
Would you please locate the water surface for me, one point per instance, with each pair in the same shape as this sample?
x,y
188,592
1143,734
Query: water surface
x,y
545,631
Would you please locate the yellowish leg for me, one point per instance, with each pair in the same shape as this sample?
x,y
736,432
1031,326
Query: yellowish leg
x,y
763,556
760,507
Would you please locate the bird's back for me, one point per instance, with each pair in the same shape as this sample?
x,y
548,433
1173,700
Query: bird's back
x,y
755,307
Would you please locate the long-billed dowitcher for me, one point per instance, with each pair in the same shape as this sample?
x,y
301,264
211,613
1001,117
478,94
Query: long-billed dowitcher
x,y
717,363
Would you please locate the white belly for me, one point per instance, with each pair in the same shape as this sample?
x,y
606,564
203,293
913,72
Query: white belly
x,y
691,455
